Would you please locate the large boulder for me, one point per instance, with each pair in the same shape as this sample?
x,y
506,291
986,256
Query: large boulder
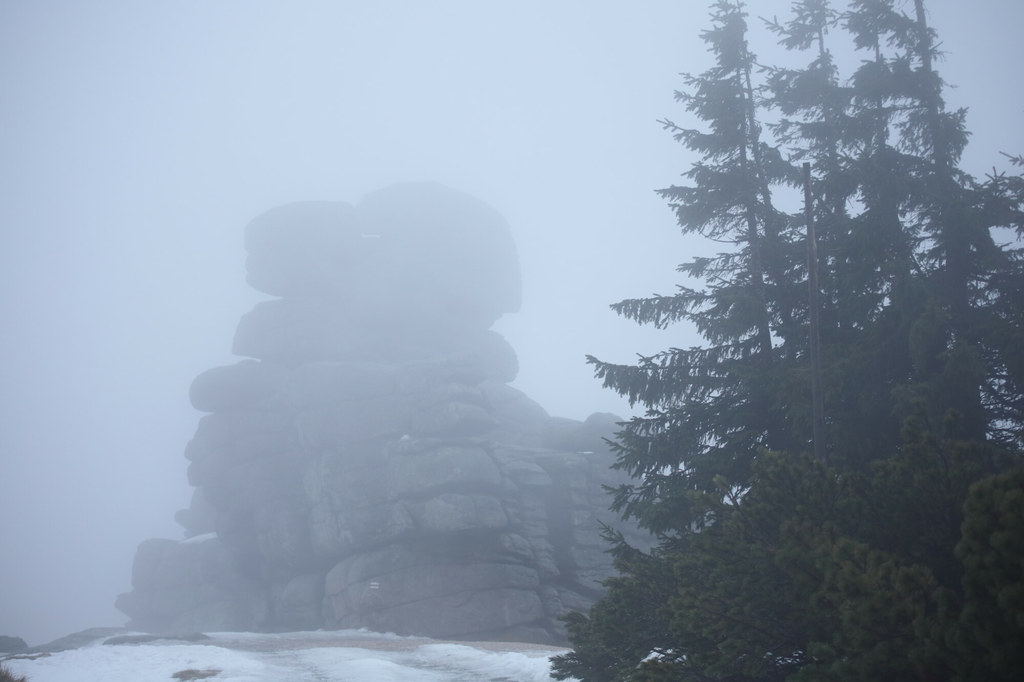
x,y
447,589
239,386
417,250
191,585
305,248
441,253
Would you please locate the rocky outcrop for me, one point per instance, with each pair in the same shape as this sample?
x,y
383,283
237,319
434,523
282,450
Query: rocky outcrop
x,y
367,464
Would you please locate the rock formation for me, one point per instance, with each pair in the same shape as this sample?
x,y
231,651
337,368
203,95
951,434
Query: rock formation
x,y
368,464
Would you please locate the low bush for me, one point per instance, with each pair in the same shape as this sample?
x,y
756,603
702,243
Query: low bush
x,y
7,676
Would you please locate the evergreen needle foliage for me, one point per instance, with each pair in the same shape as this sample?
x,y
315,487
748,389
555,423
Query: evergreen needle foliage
x,y
899,553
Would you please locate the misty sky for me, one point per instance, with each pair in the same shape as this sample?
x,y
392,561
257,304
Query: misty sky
x,y
138,137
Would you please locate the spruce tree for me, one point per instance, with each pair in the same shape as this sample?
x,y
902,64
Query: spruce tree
x,y
772,565
865,256
716,403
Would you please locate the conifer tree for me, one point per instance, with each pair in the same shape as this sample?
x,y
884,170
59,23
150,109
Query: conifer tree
x,y
770,564
866,256
715,403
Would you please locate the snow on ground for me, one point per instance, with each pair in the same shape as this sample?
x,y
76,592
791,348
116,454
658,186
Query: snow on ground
x,y
343,656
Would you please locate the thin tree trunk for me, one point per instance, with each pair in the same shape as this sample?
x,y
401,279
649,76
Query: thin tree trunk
x,y
814,305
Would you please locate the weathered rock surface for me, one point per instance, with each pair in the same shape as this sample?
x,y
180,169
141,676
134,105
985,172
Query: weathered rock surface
x,y
368,464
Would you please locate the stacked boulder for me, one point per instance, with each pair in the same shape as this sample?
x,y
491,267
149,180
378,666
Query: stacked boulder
x,y
368,464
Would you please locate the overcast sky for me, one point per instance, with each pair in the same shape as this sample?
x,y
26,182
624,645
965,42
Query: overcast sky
x,y
138,137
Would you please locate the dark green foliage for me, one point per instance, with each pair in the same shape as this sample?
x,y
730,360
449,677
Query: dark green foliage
x,y
797,580
711,402
625,626
900,554
991,624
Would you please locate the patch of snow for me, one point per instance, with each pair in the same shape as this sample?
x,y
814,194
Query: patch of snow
x,y
295,656
196,539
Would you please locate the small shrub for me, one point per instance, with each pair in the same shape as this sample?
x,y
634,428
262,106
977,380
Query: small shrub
x,y
192,674
7,676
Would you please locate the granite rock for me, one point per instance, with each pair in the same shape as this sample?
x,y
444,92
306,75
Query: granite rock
x,y
367,463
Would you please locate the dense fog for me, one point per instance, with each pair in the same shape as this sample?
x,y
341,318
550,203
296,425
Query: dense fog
x,y
138,139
